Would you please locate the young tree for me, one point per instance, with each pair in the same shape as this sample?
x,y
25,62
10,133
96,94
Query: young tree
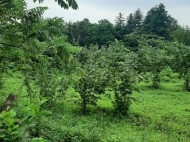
x,y
93,78
120,65
153,58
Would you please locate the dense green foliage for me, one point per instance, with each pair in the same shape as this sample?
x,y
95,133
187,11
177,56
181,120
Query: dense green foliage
x,y
89,93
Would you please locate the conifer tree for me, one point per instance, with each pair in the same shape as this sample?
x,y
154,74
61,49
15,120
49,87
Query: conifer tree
x,y
119,26
159,22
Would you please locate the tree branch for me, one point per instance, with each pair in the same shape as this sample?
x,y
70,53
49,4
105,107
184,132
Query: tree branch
x,y
3,2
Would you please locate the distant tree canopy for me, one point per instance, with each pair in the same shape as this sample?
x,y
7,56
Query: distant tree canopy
x,y
104,31
157,22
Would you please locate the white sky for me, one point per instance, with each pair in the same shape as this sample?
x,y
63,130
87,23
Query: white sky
x,y
96,10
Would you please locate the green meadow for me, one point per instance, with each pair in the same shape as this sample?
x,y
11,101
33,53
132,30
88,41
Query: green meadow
x,y
161,115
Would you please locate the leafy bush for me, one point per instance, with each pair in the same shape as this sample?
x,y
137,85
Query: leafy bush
x,y
21,125
8,128
166,74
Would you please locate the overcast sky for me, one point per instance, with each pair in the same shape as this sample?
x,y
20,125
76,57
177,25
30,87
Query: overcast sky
x,y
96,10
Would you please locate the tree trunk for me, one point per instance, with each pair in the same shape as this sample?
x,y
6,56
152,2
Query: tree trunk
x,y
156,80
8,103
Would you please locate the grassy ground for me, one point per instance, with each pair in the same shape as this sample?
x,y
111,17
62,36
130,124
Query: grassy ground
x,y
161,115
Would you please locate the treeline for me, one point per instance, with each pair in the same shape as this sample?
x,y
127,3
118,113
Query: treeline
x,y
157,22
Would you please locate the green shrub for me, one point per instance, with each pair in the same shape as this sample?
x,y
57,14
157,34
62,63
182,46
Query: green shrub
x,y
21,125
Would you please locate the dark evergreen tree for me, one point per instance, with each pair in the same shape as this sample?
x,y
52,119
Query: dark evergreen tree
x,y
134,22
130,25
159,22
138,20
119,26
